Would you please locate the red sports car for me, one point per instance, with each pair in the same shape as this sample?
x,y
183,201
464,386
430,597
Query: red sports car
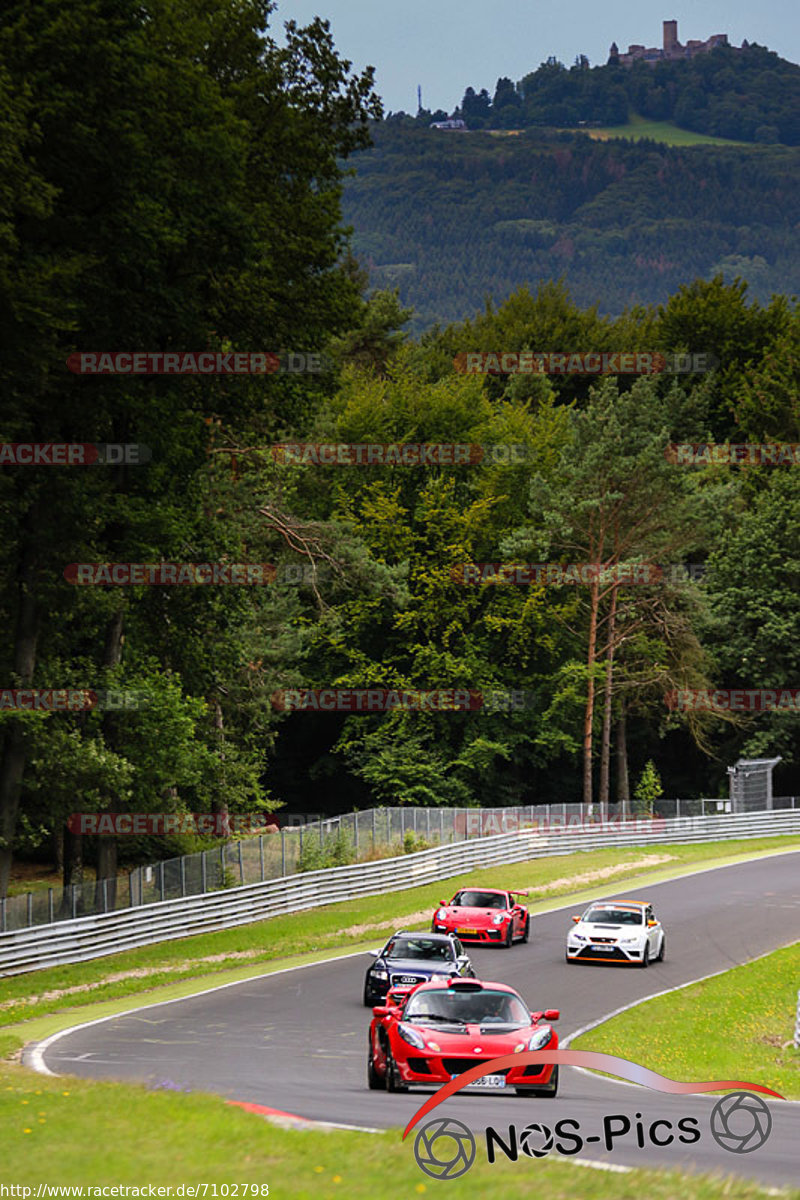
x,y
431,1034
483,915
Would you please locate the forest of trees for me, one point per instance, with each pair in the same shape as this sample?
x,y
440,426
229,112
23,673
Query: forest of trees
x,y
750,95
451,219
105,245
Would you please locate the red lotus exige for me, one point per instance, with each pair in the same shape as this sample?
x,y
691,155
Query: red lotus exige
x,y
432,1033
483,915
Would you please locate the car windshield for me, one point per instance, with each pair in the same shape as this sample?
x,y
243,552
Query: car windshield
x,y
614,916
420,948
480,900
482,1007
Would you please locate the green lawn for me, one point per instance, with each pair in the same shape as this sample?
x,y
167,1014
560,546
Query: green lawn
x,y
69,1131
661,131
228,954
732,1026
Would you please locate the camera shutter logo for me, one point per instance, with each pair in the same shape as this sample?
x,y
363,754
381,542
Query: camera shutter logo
x,y
529,1136
741,1122
444,1148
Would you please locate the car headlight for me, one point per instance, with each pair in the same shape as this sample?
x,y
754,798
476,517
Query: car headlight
x,y
440,977
441,915
411,1036
498,920
541,1038
628,941
377,973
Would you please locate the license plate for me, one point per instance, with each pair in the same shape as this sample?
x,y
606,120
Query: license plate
x,y
488,1081
467,931
407,979
603,949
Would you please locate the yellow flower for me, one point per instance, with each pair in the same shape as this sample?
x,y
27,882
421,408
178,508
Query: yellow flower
x,y
420,1188
318,1169
26,1131
337,1179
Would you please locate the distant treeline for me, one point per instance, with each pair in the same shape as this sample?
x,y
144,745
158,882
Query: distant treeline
x,y
450,220
751,95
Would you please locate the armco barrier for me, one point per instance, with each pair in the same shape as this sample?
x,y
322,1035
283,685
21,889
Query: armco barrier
x,y
107,933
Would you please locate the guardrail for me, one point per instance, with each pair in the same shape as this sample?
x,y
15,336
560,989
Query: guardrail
x,y
108,933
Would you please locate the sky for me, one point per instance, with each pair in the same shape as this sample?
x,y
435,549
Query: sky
x,y
447,47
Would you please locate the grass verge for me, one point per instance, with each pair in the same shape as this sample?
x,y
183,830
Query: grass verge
x,y
660,131
74,1132
351,925
679,1034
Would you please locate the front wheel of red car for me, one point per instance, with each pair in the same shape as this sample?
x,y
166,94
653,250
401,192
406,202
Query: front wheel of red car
x,y
548,1093
375,1082
393,1081
509,938
526,933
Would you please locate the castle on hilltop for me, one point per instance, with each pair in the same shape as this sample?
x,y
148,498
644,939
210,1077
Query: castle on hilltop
x,y
672,50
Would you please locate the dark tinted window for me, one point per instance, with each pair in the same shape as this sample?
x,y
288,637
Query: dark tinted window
x,y
474,899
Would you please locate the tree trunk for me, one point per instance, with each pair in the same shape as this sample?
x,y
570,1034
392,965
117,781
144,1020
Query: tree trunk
x,y
73,871
605,748
106,886
623,785
588,720
12,763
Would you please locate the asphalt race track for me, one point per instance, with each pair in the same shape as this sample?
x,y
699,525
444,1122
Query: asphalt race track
x,y
297,1041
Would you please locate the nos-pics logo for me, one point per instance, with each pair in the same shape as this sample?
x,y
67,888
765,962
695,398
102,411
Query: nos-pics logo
x,y
445,1148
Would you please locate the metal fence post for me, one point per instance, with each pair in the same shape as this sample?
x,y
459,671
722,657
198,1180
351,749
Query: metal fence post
x,y
428,824
373,828
241,864
441,826
355,830
283,851
203,872
321,838
183,875
50,917
161,879
222,864
3,915
677,808
261,854
105,894
74,887
30,908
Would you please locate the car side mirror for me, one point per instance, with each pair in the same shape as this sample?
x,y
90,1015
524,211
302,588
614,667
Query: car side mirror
x,y
551,1014
442,904
381,1011
576,919
375,953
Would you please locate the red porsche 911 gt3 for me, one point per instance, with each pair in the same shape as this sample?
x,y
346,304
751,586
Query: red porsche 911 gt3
x,y
483,915
428,1036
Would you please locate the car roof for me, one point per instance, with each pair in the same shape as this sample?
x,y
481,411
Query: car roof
x,y
420,933
634,905
466,985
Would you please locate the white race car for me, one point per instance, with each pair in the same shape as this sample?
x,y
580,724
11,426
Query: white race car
x,y
623,932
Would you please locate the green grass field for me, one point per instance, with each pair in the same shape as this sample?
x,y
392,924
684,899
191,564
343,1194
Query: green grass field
x,y
732,1026
229,954
660,131
68,1131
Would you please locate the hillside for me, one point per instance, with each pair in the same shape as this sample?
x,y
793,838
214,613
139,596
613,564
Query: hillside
x,y
749,94
450,219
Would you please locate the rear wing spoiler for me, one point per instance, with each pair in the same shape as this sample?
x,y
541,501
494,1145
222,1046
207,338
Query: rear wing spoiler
x,y
525,893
